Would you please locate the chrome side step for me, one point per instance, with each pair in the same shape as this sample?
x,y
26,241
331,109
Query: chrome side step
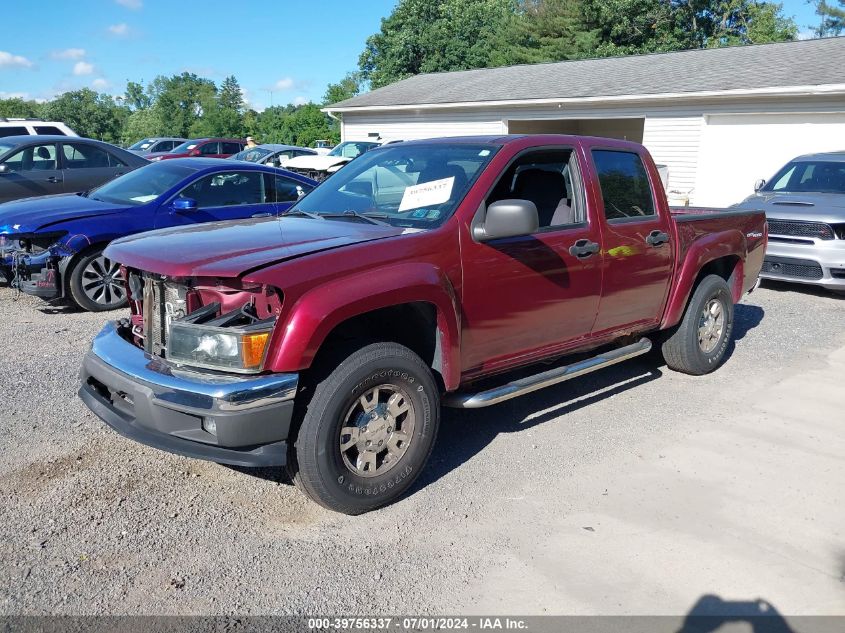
x,y
545,379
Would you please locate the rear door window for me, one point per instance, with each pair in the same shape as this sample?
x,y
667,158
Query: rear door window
x,y
227,189
81,156
625,187
48,129
281,189
230,148
210,149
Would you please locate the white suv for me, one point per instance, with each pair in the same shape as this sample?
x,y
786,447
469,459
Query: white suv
x,y
23,127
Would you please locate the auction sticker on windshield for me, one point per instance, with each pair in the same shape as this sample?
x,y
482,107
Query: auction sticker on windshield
x,y
427,194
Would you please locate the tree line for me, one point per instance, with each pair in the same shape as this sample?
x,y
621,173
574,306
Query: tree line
x,y
421,36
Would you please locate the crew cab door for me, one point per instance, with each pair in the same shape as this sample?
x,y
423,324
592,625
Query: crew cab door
x,y
527,296
638,251
229,195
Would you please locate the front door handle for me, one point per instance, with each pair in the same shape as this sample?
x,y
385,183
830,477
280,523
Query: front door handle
x,y
657,238
262,215
54,179
583,249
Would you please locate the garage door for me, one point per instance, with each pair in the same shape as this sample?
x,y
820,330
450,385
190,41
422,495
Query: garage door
x,y
736,150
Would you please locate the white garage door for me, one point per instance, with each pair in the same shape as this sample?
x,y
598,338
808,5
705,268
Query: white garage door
x,y
738,149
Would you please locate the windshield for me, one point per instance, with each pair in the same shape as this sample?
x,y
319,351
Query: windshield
x,y
809,176
252,155
5,148
144,143
141,185
185,147
351,149
405,185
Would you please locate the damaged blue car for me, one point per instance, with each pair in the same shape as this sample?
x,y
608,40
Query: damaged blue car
x,y
52,246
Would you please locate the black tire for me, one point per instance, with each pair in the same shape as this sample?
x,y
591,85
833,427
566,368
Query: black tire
x,y
84,291
683,350
316,461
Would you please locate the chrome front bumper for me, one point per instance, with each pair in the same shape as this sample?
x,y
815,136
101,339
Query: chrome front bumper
x,y
829,255
241,420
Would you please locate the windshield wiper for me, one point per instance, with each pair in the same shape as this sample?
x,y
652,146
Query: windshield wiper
x,y
307,214
364,216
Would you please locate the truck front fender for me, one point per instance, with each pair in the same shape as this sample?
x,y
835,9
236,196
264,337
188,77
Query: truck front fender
x,y
703,251
313,315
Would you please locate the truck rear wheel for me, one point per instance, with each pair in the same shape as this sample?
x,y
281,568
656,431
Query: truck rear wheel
x,y
698,344
367,431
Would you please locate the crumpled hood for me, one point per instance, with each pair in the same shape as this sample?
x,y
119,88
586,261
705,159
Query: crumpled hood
x,y
811,207
317,162
229,249
32,214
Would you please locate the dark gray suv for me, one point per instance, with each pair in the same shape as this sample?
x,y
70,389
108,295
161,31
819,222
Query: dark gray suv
x,y
44,165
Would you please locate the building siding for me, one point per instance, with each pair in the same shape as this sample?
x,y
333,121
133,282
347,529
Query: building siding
x,y
409,127
674,142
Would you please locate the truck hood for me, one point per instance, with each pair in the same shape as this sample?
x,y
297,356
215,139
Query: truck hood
x,y
230,249
813,207
34,214
316,162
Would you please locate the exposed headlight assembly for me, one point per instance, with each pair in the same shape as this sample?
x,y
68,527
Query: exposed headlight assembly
x,y
238,349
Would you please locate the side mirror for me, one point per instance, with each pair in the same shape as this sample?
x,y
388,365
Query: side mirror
x,y
184,204
759,185
508,218
4,169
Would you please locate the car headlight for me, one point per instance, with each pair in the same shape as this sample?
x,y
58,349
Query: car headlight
x,y
233,349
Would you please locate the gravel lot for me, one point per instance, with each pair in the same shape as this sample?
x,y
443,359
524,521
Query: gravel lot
x,y
635,490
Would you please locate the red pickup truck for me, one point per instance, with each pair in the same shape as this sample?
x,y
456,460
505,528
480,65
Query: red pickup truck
x,y
461,272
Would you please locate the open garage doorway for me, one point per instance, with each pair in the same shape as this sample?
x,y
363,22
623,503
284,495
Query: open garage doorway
x,y
626,129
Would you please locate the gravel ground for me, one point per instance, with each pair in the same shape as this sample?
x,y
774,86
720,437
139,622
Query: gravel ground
x,y
608,494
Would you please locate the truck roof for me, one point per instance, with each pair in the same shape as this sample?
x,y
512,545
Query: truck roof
x,y
540,139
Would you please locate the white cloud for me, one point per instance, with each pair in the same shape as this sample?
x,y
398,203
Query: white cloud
x,y
100,83
298,101
7,60
83,68
131,4
119,29
69,53
285,83
14,95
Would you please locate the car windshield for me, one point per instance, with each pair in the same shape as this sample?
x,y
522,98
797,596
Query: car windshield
x,y
351,149
252,155
144,143
812,176
5,148
141,185
416,185
187,146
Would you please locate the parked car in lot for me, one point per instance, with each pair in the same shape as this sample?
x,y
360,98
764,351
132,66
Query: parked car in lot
x,y
45,165
53,247
321,166
154,145
273,154
805,207
422,272
202,147
10,126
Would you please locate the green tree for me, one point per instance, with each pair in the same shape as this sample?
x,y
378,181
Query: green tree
x,y
304,125
89,114
181,101
434,35
135,97
17,107
344,89
141,124
832,18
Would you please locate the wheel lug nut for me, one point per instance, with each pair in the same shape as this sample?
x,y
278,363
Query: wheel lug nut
x,y
390,429
368,443
380,442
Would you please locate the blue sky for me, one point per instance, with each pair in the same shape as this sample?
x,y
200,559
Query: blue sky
x,y
281,51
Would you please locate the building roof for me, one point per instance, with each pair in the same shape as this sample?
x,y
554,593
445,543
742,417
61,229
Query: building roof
x,y
760,68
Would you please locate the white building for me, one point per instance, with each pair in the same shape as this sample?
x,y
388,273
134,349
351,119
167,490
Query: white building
x,y
718,118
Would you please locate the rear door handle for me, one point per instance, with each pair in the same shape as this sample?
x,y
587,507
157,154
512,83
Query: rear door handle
x,y
657,238
54,179
583,249
262,215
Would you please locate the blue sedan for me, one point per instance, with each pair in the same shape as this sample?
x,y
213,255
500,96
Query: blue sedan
x,y
52,246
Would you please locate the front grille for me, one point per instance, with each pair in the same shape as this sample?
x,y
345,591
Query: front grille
x,y
163,302
789,267
797,228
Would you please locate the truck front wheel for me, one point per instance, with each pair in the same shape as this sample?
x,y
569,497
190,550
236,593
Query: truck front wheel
x,y
367,430
698,344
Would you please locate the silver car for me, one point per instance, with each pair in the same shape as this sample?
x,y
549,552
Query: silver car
x,y
805,208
